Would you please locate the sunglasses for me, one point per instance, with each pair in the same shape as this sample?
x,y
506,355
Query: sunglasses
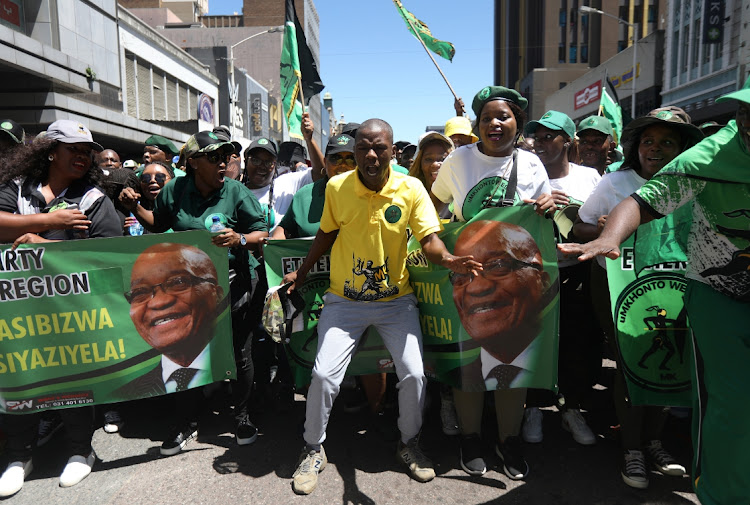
x,y
158,177
260,163
215,158
337,159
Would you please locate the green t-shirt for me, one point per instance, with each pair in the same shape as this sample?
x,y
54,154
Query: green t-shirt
x,y
180,206
399,169
302,219
715,176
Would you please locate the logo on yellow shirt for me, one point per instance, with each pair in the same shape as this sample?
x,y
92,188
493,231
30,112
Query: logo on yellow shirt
x,y
375,285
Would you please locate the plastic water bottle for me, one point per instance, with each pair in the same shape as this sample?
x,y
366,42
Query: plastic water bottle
x,y
216,224
135,229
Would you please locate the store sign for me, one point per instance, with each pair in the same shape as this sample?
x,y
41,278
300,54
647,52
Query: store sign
x,y
11,14
205,108
256,115
588,95
713,22
236,114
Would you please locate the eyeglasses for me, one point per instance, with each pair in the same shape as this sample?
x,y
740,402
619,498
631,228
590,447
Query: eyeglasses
x,y
260,163
172,286
337,159
493,270
158,177
215,158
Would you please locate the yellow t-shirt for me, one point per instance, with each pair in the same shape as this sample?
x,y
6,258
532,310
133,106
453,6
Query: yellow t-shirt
x,y
368,259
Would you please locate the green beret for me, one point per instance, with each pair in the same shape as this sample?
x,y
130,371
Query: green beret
x,y
162,143
490,93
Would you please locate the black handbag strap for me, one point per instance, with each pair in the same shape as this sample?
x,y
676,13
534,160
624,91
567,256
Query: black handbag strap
x,y
509,197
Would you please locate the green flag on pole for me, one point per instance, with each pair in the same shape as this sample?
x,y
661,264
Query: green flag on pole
x,y
300,79
612,111
439,47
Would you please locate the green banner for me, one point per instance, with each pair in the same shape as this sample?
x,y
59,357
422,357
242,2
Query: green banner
x,y
651,322
517,320
285,256
97,321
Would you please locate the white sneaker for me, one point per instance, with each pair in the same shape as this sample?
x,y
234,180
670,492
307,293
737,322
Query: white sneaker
x,y
662,460
531,432
12,479
573,421
77,469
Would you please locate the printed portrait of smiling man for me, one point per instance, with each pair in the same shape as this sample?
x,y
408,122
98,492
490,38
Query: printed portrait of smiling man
x,y
173,299
500,309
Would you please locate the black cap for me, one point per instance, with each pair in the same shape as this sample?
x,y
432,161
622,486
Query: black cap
x,y
350,129
291,152
222,131
262,143
340,144
13,129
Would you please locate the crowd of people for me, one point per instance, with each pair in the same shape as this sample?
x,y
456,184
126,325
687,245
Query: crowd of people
x,y
357,197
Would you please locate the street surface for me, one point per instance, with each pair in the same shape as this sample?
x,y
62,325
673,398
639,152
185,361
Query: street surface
x,y
362,468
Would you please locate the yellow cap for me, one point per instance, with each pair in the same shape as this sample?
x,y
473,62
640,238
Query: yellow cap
x,y
459,125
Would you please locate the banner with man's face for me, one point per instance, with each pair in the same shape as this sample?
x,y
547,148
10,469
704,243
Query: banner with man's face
x,y
97,321
496,330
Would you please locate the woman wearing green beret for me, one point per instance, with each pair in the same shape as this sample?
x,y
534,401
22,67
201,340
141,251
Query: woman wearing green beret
x,y
492,173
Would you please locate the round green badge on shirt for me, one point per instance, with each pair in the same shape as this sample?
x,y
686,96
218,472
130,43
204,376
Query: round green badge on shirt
x,y
392,214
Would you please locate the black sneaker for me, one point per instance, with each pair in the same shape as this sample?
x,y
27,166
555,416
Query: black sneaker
x,y
471,455
514,466
178,439
634,472
112,421
246,432
48,426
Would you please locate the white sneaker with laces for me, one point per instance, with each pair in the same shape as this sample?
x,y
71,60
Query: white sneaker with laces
x,y
12,479
77,469
573,421
531,431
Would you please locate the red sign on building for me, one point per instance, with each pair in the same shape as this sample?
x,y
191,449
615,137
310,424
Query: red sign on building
x,y
10,12
590,94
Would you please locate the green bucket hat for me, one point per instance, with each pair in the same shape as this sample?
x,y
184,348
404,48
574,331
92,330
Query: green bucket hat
x,y
491,93
553,120
742,94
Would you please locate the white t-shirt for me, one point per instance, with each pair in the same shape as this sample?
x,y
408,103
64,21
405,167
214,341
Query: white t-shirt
x,y
578,185
613,188
284,188
468,178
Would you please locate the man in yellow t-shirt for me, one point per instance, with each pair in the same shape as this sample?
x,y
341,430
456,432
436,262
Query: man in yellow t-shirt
x,y
364,222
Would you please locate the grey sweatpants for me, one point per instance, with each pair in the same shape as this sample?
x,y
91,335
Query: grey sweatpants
x,y
340,327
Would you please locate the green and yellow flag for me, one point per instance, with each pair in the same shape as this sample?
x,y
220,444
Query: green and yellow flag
x,y
298,68
439,47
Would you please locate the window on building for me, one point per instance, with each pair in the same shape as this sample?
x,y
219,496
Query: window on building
x,y
621,45
696,40
584,53
562,85
563,18
561,53
652,14
675,50
573,54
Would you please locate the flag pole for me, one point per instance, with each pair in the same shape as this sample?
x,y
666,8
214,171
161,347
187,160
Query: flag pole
x,y
301,92
604,87
416,33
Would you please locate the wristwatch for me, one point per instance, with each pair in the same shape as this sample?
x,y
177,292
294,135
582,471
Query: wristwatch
x,y
243,240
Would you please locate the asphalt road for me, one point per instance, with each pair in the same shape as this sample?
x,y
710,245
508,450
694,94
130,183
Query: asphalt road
x,y
362,467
